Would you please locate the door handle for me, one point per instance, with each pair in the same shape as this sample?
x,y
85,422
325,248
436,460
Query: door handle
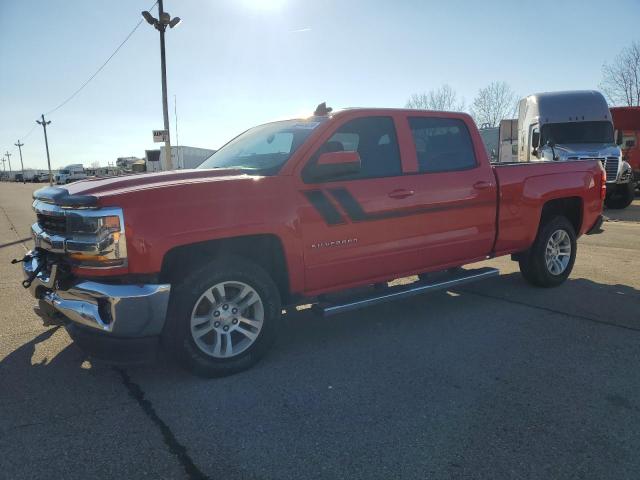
x,y
481,185
401,193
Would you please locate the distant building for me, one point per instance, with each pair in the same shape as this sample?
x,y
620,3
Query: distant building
x,y
186,157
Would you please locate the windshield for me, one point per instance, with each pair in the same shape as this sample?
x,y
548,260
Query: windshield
x,y
265,148
578,132
64,172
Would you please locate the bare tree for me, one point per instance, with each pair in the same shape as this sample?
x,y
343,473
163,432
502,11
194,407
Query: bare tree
x,y
444,98
95,164
493,103
621,78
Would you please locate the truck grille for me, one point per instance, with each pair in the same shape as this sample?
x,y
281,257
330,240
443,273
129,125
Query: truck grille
x,y
52,223
611,167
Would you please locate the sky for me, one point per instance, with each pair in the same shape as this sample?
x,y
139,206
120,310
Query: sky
x,y
232,64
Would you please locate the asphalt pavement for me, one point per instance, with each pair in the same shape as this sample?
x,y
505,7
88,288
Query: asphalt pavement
x,y
493,380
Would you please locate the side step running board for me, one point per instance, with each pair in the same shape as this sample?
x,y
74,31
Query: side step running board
x,y
403,291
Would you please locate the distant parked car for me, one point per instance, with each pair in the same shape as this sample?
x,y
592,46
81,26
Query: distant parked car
x,y
40,178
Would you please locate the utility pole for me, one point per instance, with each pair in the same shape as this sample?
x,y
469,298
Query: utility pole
x,y
161,23
46,144
8,155
20,145
175,112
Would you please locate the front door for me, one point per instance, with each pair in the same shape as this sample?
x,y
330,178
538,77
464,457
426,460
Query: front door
x,y
357,228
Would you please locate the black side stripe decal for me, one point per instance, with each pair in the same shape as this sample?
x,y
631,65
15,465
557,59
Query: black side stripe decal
x,y
355,212
321,203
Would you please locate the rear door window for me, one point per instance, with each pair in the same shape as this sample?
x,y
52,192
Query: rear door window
x,y
442,144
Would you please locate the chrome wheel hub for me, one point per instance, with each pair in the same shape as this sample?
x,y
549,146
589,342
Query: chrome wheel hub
x,y
227,319
558,252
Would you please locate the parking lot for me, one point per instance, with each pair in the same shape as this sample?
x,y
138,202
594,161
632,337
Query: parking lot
x,y
492,380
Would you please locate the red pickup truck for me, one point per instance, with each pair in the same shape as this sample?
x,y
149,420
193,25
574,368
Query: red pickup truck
x,y
203,261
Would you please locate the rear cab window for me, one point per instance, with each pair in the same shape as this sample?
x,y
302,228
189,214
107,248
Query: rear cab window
x,y
442,144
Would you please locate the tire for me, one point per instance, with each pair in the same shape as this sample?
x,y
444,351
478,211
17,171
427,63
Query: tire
x,y
533,263
208,354
622,197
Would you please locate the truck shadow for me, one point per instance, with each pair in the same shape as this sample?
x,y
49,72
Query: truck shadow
x,y
440,348
307,336
629,214
578,299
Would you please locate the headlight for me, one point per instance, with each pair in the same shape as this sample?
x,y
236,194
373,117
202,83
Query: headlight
x,y
626,172
89,238
96,238
77,223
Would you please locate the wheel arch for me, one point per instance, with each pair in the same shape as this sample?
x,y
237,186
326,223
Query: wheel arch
x,y
570,207
265,250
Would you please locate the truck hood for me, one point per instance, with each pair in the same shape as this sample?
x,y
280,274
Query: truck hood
x,y
565,151
87,193
583,150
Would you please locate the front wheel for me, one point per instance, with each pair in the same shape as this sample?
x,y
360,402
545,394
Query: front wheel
x,y
223,317
549,261
622,197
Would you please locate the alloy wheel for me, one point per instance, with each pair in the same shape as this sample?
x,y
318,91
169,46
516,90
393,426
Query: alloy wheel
x,y
227,319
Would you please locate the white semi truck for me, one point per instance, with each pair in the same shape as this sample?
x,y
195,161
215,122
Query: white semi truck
x,y
70,173
574,125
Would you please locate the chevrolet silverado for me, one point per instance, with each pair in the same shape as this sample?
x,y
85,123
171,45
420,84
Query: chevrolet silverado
x,y
202,262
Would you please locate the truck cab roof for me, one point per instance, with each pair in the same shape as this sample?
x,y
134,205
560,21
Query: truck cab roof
x,y
568,106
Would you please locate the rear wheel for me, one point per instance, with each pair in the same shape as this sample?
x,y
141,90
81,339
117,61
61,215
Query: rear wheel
x,y
549,261
223,317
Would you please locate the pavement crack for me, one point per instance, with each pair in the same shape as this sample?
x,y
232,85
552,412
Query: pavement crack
x,y
175,447
551,310
15,231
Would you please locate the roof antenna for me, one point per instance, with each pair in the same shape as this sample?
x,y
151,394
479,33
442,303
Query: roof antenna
x,y
322,110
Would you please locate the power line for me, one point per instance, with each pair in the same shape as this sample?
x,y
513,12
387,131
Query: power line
x,y
24,137
101,66
27,135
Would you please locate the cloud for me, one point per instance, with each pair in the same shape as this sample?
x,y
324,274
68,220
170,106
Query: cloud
x,y
300,30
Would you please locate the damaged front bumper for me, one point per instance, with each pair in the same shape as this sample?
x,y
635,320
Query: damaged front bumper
x,y
113,310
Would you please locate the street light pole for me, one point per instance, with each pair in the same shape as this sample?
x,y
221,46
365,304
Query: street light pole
x,y
161,23
46,143
165,108
20,145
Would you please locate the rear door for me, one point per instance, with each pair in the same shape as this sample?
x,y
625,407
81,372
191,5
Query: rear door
x,y
456,192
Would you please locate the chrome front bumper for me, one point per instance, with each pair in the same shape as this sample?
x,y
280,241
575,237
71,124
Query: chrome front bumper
x,y
119,310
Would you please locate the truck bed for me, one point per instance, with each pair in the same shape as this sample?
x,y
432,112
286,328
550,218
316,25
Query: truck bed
x,y
525,187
